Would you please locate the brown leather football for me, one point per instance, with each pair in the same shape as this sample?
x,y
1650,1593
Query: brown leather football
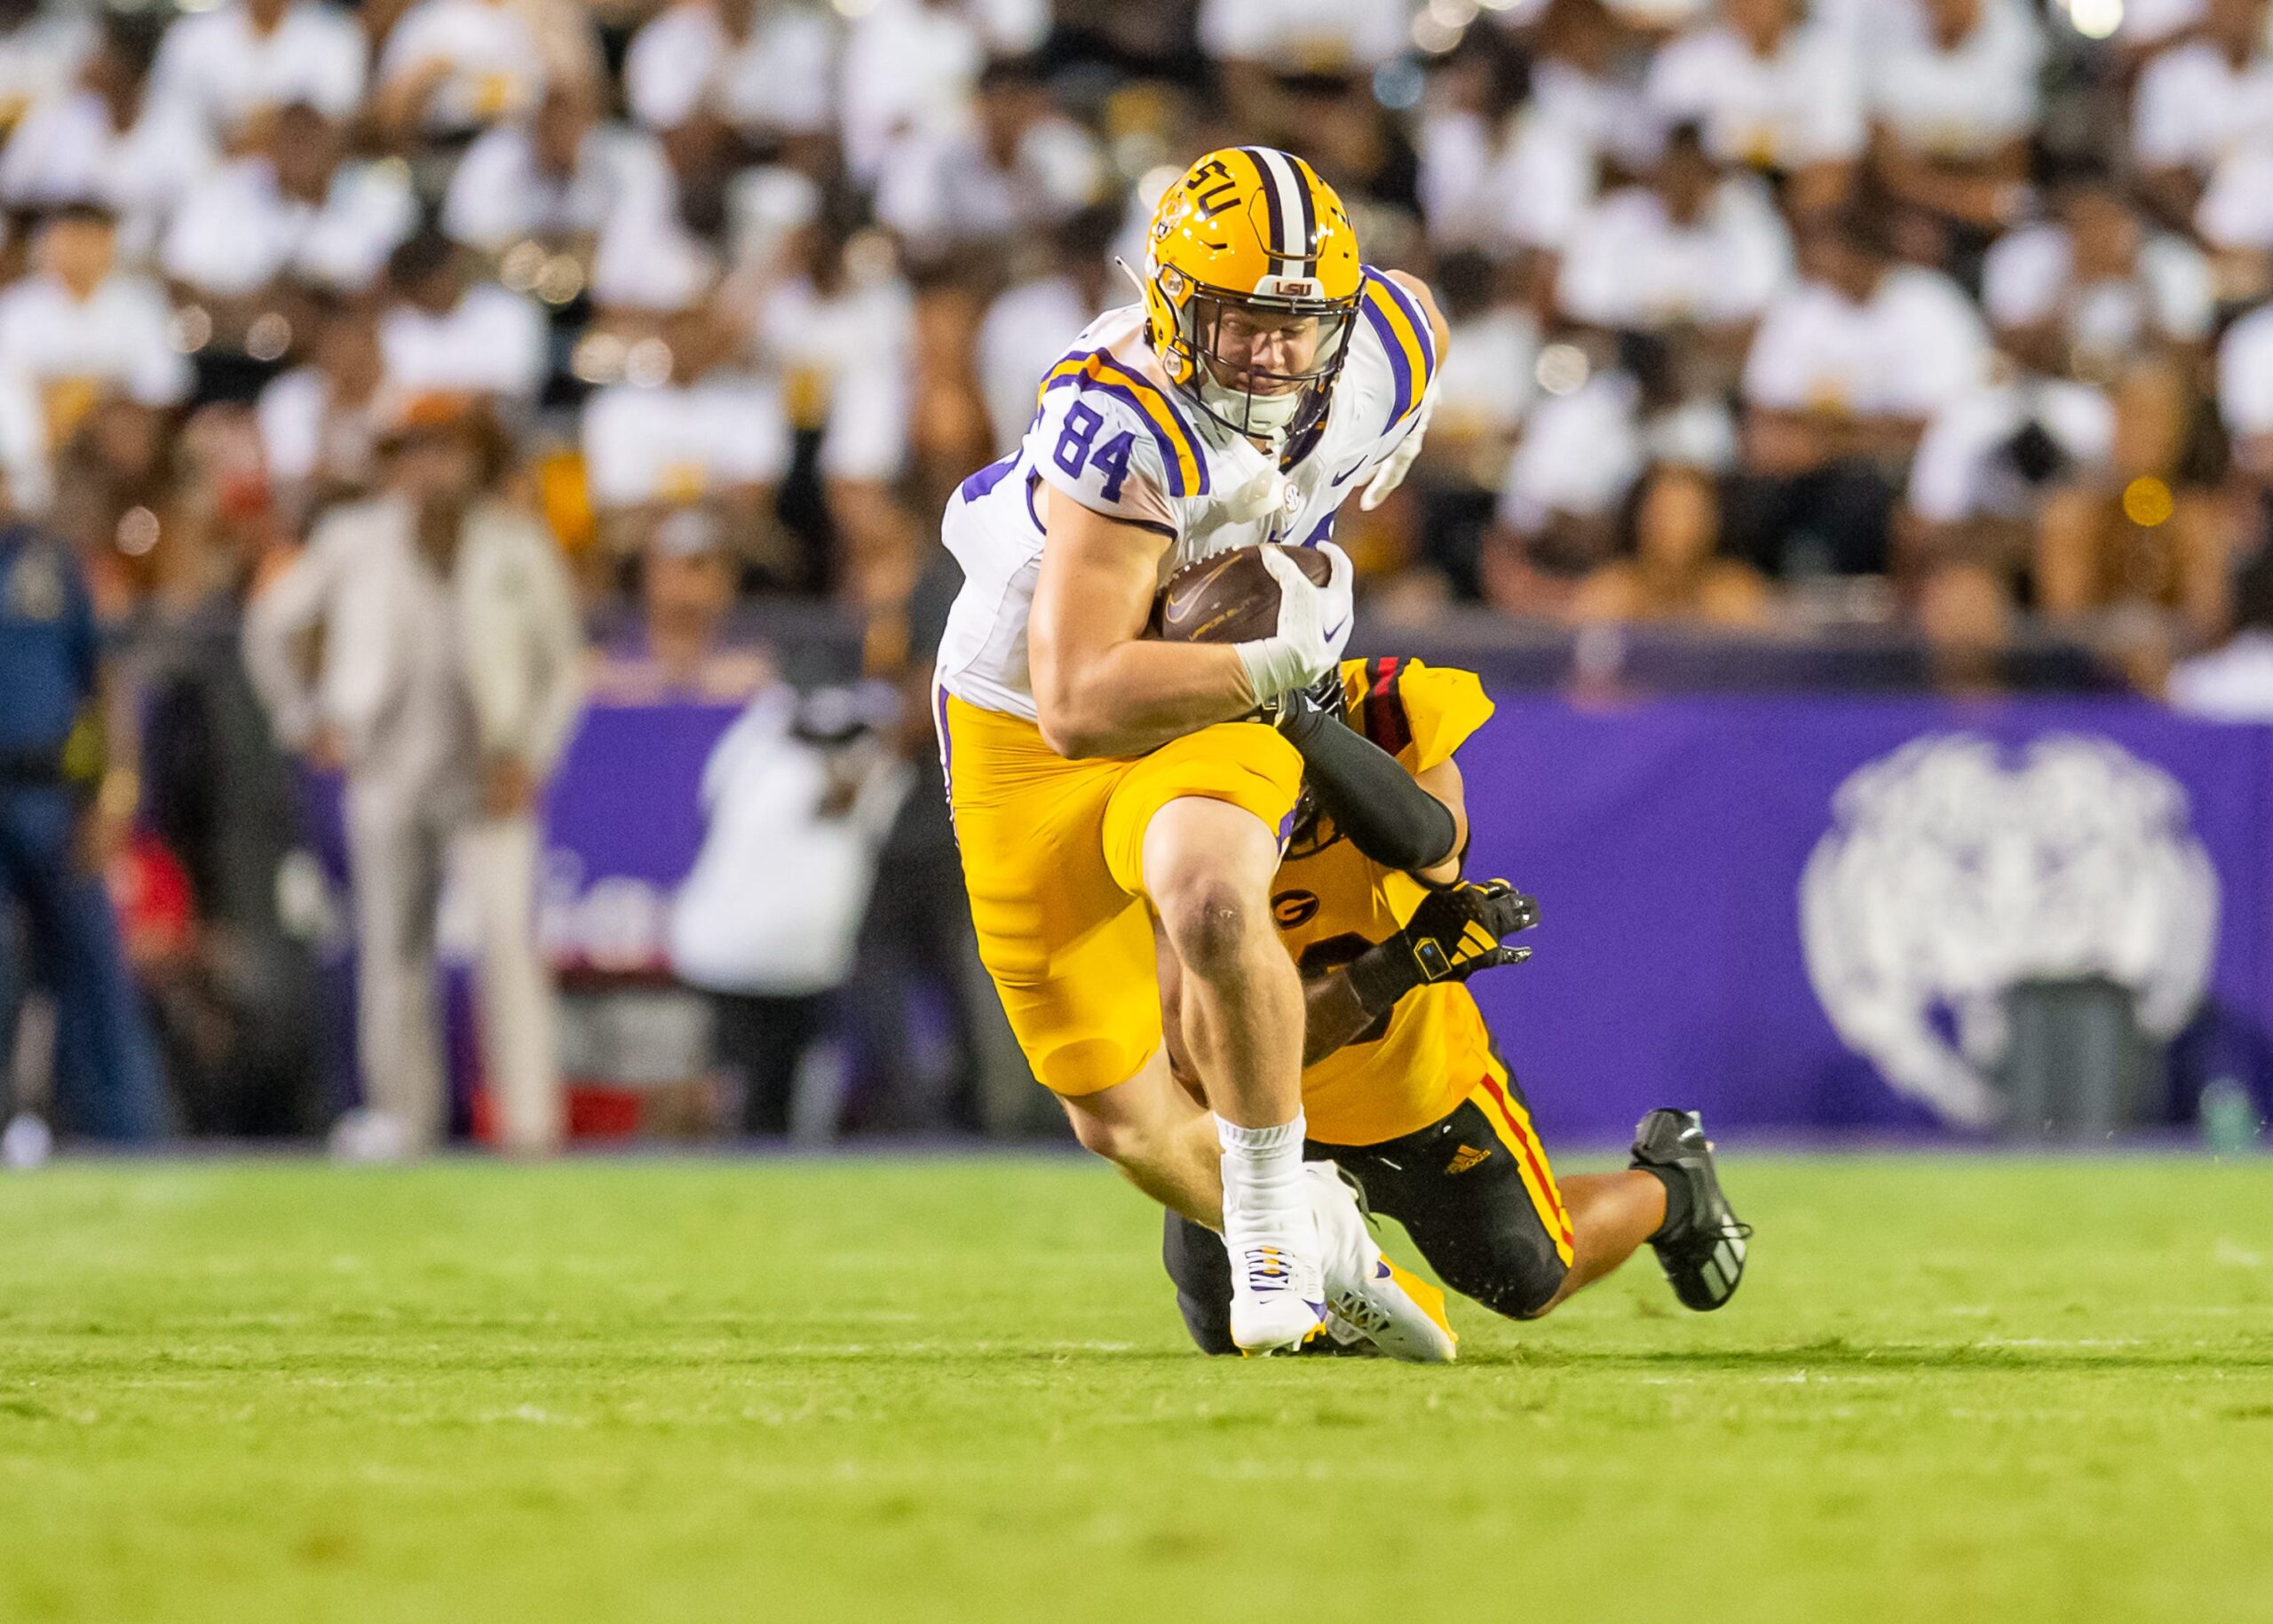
x,y
1228,599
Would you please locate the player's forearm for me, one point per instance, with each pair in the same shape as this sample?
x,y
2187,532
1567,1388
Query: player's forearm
x,y
1135,696
1370,796
1332,1014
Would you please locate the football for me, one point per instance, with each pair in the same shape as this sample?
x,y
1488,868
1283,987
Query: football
x,y
1230,597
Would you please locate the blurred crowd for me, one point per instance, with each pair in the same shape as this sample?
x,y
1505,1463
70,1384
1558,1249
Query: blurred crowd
x,y
1945,319
1766,314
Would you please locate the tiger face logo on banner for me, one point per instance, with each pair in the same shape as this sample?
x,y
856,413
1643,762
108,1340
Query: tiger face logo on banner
x,y
1953,872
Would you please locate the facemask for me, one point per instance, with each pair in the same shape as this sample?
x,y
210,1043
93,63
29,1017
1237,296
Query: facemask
x,y
1264,415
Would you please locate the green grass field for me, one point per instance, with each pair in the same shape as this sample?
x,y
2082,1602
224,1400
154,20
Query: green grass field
x,y
891,1390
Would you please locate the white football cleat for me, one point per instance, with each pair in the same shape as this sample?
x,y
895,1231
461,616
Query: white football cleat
x,y
1278,1293
1402,1314
26,1143
364,1136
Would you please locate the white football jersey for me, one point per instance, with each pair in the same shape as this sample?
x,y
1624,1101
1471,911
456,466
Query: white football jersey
x,y
1113,434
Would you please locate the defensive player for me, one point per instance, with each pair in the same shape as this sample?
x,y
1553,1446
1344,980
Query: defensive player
x,y
1403,1088
1098,778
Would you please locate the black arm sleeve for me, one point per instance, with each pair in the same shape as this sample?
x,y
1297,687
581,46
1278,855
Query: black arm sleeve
x,y
1373,800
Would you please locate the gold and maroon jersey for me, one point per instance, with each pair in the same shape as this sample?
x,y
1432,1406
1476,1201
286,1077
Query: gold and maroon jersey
x,y
1417,1063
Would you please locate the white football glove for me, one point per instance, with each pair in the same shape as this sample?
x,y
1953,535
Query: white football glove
x,y
1314,624
1393,472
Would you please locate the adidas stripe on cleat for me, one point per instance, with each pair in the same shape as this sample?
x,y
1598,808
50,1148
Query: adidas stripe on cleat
x,y
1704,1258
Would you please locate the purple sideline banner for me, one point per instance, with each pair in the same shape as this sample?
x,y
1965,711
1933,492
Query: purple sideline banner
x,y
1792,913
1798,913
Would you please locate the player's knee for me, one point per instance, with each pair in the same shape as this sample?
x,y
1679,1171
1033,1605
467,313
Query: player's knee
x,y
1101,1136
1520,1282
1210,922
1123,1141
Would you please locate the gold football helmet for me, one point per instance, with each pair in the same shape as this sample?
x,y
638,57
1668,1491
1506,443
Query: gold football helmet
x,y
1251,289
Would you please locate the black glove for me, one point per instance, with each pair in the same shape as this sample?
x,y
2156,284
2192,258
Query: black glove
x,y
1456,932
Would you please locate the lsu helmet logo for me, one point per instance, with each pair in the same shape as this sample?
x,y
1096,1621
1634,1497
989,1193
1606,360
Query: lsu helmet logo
x,y
1948,874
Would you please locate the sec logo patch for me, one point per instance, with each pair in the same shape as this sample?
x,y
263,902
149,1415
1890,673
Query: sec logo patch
x,y
1294,908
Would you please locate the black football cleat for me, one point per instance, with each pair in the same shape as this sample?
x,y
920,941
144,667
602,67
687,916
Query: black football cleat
x,y
1704,1258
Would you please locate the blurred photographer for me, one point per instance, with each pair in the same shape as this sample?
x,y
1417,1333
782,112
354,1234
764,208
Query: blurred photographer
x,y
800,795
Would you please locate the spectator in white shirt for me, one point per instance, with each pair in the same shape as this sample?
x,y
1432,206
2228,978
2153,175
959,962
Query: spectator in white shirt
x,y
1035,320
2077,293
76,333
560,179
2235,220
1953,88
289,210
1608,411
2198,101
234,66
2246,395
908,68
1578,79
1304,36
443,334
1020,166
2234,682
107,138
1771,91
1580,453
1497,172
1690,251
764,69
1988,463
707,433
41,47
1843,374
841,337
1480,395
1258,45
451,67
319,422
2148,26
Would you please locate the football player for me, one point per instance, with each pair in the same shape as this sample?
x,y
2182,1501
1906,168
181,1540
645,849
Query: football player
x,y
1403,1088
1099,778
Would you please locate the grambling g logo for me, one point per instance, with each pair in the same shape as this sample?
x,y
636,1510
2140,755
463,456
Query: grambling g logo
x,y
1293,909
1948,875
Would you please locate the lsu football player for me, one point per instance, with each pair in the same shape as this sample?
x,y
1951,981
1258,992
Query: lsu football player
x,y
1100,779
1404,1088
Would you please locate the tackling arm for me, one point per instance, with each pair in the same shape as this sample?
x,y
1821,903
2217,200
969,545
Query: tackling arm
x,y
1419,825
